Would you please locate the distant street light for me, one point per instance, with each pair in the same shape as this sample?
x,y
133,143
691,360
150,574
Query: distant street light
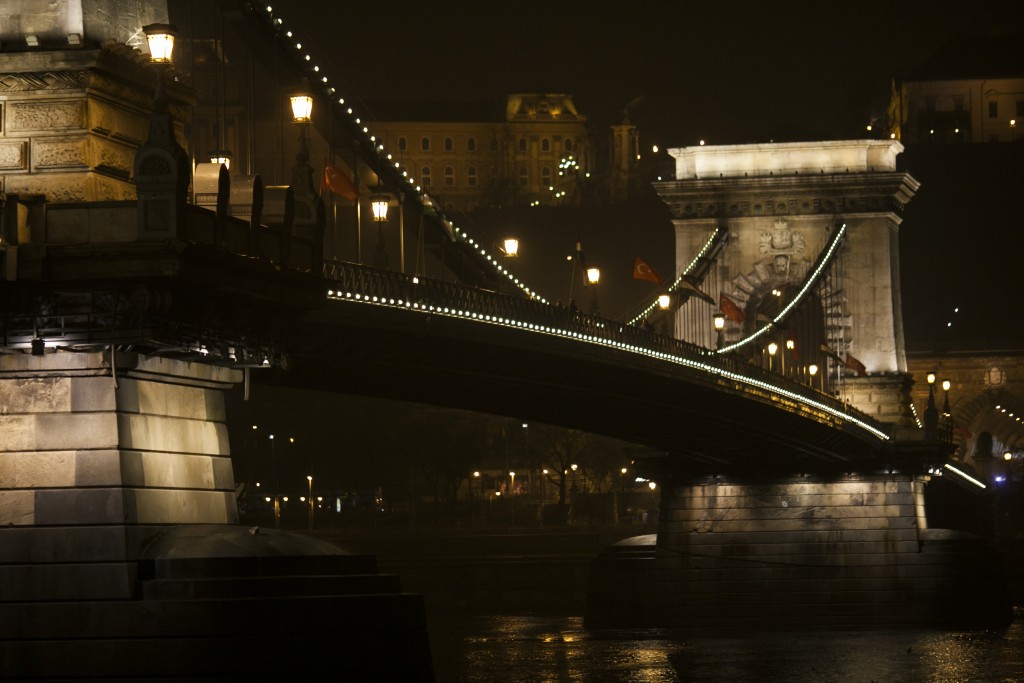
x,y
719,319
510,247
772,349
309,479
593,278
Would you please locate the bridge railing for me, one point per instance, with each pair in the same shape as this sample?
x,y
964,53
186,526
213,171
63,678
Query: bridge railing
x,y
402,289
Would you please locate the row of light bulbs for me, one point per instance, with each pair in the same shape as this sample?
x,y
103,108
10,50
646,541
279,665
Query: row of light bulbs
x,y
378,147
357,297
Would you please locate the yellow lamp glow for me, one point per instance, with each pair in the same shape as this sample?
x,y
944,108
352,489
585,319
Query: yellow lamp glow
x,y
593,275
812,369
302,108
946,384
511,246
931,378
664,301
160,38
379,204
772,348
719,321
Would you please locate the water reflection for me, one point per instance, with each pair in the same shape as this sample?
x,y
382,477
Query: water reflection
x,y
498,649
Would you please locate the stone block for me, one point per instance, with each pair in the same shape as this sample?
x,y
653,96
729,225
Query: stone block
x,y
223,474
13,155
48,545
46,115
58,432
17,508
171,400
37,469
174,470
80,506
98,468
114,581
149,432
35,395
166,506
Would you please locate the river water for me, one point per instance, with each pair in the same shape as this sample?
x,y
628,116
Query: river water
x,y
544,649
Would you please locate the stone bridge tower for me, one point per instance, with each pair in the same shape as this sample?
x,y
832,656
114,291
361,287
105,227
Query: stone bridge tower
x,y
779,209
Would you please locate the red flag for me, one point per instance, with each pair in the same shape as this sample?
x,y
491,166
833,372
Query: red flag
x,y
686,286
338,182
855,365
643,271
731,310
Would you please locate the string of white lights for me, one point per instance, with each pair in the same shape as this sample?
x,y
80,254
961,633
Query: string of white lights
x,y
693,264
964,475
811,281
582,337
412,188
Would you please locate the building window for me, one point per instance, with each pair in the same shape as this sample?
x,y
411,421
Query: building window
x,y
545,176
471,145
402,144
425,144
993,109
471,176
545,145
522,144
524,176
568,144
449,176
425,176
449,145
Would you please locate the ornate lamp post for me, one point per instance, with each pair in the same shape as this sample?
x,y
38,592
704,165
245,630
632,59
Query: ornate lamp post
x,y
931,413
309,480
772,350
593,278
719,320
379,205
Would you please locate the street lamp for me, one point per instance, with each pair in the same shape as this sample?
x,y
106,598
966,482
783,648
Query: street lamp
x,y
593,278
772,349
664,301
379,206
160,39
812,370
309,480
510,247
931,413
790,346
719,319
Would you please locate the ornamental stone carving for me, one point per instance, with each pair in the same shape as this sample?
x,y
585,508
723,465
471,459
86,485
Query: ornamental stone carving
x,y
51,80
25,116
59,154
12,155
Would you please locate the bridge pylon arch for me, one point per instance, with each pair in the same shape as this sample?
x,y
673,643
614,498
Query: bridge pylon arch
x,y
783,205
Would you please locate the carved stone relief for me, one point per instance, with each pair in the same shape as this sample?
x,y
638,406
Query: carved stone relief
x,y
12,155
51,80
68,188
48,154
47,116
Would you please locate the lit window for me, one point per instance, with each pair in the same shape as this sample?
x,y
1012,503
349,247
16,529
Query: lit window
x,y
449,176
545,145
402,144
471,176
449,145
471,145
425,176
425,144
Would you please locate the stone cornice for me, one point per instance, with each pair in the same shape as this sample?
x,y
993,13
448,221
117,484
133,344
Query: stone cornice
x,y
787,195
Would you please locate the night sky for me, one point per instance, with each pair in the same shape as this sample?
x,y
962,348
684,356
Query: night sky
x,y
723,71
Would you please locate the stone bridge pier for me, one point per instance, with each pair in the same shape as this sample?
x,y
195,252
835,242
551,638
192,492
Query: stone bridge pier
x,y
120,553
844,550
